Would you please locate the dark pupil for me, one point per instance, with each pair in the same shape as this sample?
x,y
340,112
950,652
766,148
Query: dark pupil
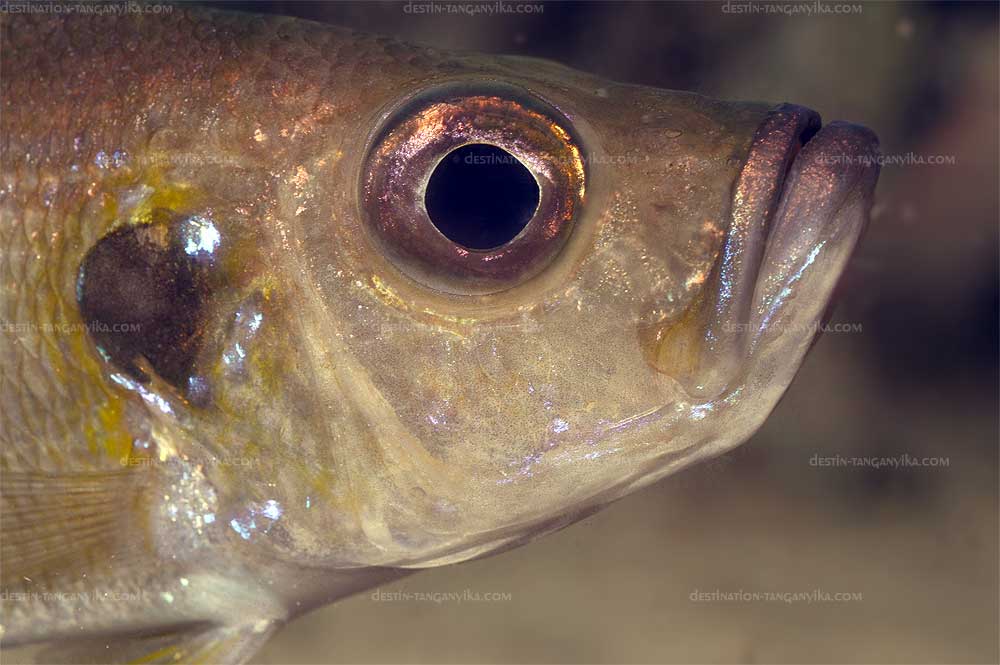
x,y
481,196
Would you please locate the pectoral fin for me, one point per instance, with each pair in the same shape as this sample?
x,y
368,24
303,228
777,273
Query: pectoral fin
x,y
55,523
193,644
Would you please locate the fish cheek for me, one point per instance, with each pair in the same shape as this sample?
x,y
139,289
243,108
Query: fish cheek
x,y
143,297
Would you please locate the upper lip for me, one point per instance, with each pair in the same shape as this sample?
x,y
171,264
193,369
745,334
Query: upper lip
x,y
775,146
787,128
756,196
797,177
838,156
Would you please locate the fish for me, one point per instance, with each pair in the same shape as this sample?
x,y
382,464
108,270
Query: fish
x,y
290,311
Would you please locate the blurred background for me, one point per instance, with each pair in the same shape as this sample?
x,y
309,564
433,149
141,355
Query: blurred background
x,y
900,558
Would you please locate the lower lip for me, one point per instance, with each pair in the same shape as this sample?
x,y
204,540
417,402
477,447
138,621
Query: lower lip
x,y
839,158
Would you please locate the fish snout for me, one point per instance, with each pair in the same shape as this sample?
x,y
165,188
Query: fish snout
x,y
824,208
800,203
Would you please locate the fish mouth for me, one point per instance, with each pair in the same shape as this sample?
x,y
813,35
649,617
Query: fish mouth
x,y
794,156
814,186
800,203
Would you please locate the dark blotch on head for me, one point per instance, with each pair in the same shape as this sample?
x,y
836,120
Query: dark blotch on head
x,y
143,297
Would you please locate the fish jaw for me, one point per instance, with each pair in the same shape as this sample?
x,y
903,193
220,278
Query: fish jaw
x,y
800,206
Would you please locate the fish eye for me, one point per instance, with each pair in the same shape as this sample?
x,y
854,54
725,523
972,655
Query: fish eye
x,y
473,189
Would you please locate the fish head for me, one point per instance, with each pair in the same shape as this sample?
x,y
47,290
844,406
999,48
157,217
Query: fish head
x,y
471,299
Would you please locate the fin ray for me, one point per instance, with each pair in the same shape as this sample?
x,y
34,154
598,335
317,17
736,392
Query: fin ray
x,y
54,522
194,644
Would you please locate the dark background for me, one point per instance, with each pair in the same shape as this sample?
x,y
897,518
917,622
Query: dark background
x,y
919,379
